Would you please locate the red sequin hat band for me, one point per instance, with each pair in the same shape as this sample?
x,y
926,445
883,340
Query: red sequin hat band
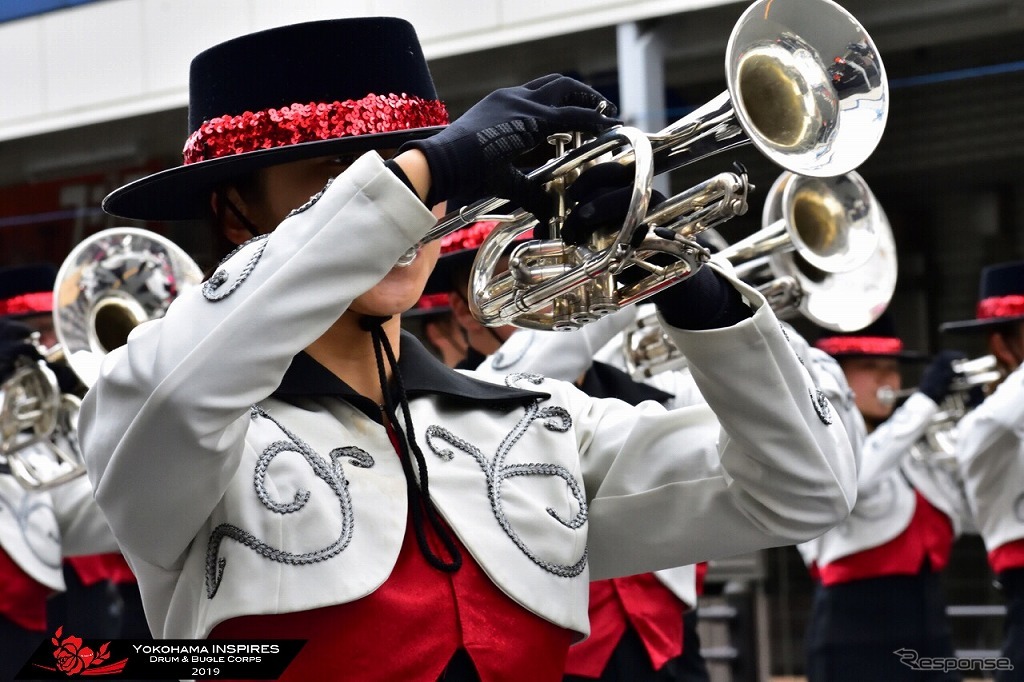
x,y
862,345
469,237
473,237
431,301
252,131
39,302
1000,306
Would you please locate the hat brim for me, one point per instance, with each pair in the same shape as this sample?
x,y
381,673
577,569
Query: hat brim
x,y
974,326
420,313
28,314
183,193
902,356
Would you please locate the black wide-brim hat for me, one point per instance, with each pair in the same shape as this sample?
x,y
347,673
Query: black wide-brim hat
x,y
878,339
26,290
286,94
1000,299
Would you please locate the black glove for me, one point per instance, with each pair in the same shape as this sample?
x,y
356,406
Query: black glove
x,y
600,198
703,301
475,153
937,376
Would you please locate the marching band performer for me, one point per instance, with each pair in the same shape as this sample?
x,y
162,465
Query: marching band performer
x,y
100,596
878,599
278,460
38,528
990,447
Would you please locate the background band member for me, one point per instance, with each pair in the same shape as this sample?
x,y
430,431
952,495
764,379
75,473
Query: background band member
x,y
432,321
38,528
990,446
300,468
878,572
100,596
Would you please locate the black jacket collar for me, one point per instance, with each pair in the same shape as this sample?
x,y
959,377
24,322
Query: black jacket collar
x,y
422,374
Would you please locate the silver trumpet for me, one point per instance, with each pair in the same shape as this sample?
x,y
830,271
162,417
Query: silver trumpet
x,y
969,374
805,86
647,350
109,284
825,251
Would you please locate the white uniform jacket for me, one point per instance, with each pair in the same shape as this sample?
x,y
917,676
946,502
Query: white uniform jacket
x,y
565,356
39,528
990,452
228,500
887,478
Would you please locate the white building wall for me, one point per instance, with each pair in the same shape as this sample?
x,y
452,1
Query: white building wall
x,y
121,58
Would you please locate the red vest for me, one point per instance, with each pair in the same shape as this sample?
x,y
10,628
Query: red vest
x,y
928,536
640,601
410,627
95,568
22,599
1005,557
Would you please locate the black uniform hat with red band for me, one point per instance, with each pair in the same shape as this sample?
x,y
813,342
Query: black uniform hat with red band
x,y
290,93
878,339
26,290
1000,300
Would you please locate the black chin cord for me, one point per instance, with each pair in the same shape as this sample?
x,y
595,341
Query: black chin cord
x,y
421,507
249,225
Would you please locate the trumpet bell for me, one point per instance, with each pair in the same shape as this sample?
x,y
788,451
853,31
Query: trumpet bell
x,y
831,221
845,257
807,85
109,284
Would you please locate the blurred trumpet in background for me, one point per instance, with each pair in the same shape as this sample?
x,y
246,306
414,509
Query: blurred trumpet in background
x,y
109,284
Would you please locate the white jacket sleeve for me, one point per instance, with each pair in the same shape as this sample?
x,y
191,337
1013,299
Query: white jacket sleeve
x,y
163,428
887,445
829,378
990,453
999,418
83,527
786,470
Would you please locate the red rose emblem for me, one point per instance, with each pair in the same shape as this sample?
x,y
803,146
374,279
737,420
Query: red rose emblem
x,y
72,658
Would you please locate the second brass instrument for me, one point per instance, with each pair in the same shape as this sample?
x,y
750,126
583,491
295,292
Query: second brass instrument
x,y
825,251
